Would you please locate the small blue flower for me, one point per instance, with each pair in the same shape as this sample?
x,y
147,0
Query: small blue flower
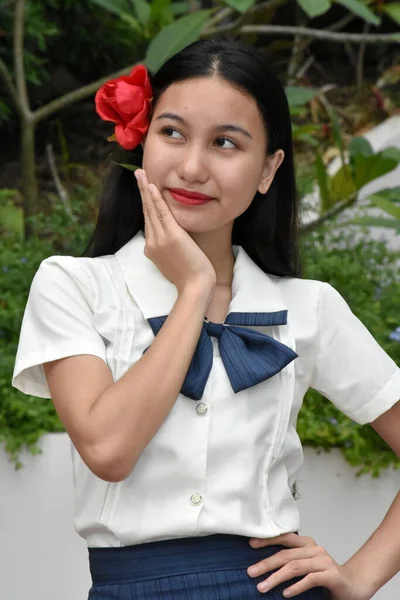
x,y
333,421
24,259
395,335
5,269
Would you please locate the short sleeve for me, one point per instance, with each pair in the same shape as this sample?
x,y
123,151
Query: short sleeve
x,y
351,369
57,322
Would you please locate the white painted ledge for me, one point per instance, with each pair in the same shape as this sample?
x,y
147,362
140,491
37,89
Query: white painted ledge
x,y
42,558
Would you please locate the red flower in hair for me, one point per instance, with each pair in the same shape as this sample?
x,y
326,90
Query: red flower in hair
x,y
126,101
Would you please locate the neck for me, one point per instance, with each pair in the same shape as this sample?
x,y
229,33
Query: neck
x,y
217,246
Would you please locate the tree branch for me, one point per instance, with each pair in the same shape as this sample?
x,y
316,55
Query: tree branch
x,y
79,94
321,34
220,16
20,81
61,191
12,92
332,212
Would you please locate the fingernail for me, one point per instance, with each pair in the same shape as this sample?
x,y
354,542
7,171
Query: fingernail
x,y
252,571
137,174
263,586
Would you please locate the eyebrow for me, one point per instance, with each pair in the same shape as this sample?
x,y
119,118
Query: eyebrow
x,y
226,127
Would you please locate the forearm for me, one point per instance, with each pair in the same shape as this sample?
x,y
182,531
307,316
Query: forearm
x,y
130,412
378,560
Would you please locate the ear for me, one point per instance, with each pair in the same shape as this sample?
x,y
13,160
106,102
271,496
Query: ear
x,y
272,164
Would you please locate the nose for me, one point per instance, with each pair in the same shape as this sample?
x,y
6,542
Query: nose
x,y
193,165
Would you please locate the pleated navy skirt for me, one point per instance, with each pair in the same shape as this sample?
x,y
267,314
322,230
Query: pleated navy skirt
x,y
198,568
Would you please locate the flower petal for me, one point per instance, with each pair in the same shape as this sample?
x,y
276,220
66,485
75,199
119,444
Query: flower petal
x,y
128,138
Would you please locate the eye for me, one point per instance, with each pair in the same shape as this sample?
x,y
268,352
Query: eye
x,y
223,139
168,131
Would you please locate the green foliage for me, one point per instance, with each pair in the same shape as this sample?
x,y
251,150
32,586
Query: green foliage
x,y
314,8
392,9
24,419
362,167
360,8
387,200
86,41
240,5
175,37
365,272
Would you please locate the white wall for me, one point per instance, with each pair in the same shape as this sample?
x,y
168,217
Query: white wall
x,y
42,558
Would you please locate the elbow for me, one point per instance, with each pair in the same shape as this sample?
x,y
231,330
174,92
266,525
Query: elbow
x,y
108,466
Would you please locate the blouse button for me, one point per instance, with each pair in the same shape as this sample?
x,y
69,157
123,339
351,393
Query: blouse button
x,y
201,408
195,499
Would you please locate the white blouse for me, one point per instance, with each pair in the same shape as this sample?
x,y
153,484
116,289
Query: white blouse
x,y
226,463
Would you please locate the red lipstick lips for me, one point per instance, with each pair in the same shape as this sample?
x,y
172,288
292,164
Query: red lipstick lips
x,y
189,198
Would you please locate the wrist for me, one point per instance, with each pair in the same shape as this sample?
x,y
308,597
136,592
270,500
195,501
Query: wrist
x,y
360,579
201,289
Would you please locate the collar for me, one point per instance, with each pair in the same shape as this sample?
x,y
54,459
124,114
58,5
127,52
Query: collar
x,y
253,291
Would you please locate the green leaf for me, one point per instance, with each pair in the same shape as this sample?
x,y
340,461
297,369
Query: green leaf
x,y
381,201
299,96
174,38
337,133
392,194
179,8
240,5
368,168
134,23
313,8
372,222
305,133
392,152
114,6
393,11
323,181
342,184
360,9
360,146
161,12
129,167
142,10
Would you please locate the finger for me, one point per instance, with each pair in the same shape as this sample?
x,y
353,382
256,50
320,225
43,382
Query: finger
x,y
291,540
149,205
295,568
162,209
278,560
312,580
149,232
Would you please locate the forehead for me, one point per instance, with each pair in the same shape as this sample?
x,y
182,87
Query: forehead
x,y
210,100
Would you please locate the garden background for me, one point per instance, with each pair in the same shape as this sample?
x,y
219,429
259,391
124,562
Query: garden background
x,y
340,64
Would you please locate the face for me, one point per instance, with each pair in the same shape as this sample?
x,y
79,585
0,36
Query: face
x,y
207,137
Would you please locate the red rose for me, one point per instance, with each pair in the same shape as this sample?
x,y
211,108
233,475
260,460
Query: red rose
x,y
126,101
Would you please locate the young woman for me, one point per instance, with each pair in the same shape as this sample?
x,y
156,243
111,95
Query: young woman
x,y
177,353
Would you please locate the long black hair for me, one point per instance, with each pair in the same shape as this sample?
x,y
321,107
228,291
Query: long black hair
x,y
268,229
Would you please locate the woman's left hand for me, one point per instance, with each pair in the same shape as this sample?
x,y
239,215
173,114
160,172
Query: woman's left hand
x,y
304,558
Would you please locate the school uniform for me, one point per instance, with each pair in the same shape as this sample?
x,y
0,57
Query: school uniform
x,y
222,466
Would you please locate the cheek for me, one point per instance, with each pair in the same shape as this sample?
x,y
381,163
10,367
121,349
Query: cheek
x,y
155,160
239,187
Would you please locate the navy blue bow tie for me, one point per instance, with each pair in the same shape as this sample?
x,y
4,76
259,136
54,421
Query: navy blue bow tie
x,y
249,356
